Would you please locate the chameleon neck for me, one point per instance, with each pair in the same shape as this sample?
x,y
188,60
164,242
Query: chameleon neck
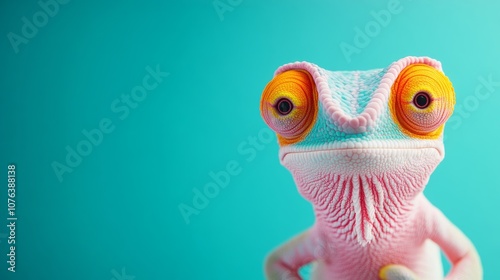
x,y
365,207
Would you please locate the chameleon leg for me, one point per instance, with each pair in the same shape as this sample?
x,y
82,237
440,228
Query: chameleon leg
x,y
464,258
284,263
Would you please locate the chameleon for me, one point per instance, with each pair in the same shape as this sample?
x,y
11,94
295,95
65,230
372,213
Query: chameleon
x,y
361,147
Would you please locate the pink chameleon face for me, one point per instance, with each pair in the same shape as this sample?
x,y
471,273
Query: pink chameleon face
x,y
361,146
358,141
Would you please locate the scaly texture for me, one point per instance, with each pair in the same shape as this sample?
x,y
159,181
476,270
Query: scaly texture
x,y
361,147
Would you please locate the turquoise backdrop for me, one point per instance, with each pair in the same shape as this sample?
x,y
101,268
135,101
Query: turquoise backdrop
x,y
117,114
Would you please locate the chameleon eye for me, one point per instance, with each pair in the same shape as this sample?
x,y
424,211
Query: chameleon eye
x,y
421,101
284,106
289,105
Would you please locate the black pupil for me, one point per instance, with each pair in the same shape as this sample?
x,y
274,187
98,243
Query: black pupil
x,y
422,100
284,106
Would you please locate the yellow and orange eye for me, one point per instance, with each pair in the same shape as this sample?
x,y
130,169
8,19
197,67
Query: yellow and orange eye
x,y
422,99
289,105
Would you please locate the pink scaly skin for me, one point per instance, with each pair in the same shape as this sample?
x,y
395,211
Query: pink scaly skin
x,y
361,147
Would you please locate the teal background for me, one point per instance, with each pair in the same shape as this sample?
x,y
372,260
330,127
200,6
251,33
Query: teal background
x,y
119,208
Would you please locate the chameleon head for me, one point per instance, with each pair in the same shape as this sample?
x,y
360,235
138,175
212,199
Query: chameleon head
x,y
356,141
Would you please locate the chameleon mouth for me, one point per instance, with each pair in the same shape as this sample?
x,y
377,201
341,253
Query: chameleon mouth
x,y
359,149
